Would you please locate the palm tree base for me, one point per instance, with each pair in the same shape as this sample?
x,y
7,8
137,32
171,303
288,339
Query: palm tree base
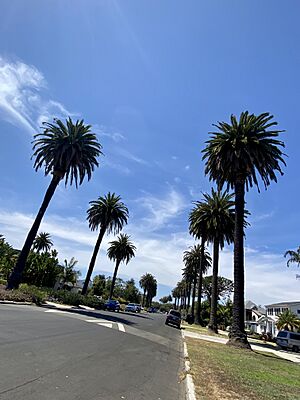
x,y
14,281
239,340
212,328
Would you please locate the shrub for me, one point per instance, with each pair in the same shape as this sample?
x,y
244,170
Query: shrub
x,y
38,295
92,301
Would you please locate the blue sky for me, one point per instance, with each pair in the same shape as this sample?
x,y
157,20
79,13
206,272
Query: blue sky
x,y
152,78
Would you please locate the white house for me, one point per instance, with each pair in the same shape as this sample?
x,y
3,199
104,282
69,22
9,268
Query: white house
x,y
274,310
256,318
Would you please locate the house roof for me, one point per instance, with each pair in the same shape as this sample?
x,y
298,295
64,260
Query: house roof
x,y
283,304
249,305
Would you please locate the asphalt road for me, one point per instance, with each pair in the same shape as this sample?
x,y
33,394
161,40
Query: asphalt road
x,y
51,355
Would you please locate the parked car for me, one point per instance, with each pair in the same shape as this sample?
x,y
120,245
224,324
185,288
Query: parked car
x,y
138,307
173,318
131,307
112,305
288,340
152,310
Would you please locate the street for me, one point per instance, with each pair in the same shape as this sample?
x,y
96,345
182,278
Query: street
x,y
48,354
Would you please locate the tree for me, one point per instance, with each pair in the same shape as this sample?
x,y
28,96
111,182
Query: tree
x,y
69,274
99,284
66,151
42,242
151,292
120,250
235,156
191,259
8,257
166,299
145,282
224,287
109,214
42,269
288,321
294,256
131,292
216,213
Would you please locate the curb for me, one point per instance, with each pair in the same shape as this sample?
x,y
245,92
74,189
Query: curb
x,y
20,303
190,387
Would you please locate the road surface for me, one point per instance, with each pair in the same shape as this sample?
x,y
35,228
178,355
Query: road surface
x,y
48,354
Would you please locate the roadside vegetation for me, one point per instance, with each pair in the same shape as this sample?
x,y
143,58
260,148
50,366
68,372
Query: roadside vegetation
x,y
222,372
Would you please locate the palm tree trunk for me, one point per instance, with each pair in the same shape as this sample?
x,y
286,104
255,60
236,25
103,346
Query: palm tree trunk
x,y
238,336
93,260
114,279
143,302
16,275
214,290
189,296
200,279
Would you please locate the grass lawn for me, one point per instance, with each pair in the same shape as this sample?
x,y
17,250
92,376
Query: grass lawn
x,y
223,372
200,329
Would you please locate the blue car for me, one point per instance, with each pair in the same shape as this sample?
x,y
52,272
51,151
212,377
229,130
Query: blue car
x,y
112,305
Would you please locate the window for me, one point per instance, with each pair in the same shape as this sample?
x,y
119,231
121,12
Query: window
x,y
277,310
298,311
282,334
270,311
295,336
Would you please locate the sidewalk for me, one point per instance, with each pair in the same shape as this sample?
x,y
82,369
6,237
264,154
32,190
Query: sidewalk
x,y
294,357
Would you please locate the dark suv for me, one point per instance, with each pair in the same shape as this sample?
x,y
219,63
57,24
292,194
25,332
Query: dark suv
x,y
173,318
112,305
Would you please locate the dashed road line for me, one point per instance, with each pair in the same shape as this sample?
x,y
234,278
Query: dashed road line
x,y
121,327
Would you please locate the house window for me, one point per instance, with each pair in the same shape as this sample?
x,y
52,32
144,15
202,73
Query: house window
x,y
277,310
298,311
270,311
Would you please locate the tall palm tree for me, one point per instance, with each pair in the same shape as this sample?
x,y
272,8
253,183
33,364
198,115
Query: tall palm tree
x,y
197,228
216,213
68,152
288,321
120,250
235,156
151,291
145,282
109,214
42,242
294,256
191,259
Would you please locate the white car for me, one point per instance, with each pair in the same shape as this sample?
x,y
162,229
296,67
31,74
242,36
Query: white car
x,y
131,307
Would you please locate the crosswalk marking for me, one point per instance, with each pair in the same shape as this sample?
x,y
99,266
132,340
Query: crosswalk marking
x,y
106,324
121,327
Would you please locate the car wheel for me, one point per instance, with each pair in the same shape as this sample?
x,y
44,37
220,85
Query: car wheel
x,y
166,323
295,349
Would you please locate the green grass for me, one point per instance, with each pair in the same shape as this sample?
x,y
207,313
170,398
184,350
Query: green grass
x,y
200,329
223,372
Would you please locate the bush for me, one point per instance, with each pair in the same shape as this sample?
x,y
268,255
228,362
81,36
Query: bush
x,y
75,299
92,301
25,293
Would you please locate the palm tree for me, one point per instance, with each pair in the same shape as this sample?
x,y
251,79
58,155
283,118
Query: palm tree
x,y
216,213
191,259
42,242
235,155
145,283
151,291
294,256
69,274
109,214
288,321
66,151
120,250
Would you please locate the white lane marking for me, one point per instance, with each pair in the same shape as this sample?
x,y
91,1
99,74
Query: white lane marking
x,y
96,320
106,324
57,311
121,327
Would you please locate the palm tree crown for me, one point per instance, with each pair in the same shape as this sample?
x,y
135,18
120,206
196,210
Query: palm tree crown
x,y
294,256
121,249
214,217
242,149
70,150
42,242
108,212
288,321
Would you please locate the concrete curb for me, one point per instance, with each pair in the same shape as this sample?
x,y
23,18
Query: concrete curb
x,y
20,303
190,387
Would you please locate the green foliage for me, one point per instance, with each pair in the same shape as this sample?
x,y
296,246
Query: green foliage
x,y
8,257
38,295
42,269
224,288
68,274
121,249
294,256
166,299
99,285
42,242
76,299
131,292
69,149
288,321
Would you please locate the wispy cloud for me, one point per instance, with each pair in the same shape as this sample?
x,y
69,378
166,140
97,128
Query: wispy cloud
x,y
23,99
161,210
108,132
187,167
131,157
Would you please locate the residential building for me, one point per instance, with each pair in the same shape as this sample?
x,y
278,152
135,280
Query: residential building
x,y
256,319
275,309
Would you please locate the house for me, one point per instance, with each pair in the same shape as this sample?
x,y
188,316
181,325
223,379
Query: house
x,y
256,319
275,309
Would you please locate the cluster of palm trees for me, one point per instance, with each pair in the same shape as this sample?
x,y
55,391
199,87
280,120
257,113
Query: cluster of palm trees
x,y
235,155
70,152
149,285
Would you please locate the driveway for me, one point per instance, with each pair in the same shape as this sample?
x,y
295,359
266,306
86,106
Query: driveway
x,y
50,354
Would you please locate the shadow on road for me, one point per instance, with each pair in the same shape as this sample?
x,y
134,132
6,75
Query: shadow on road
x,y
113,317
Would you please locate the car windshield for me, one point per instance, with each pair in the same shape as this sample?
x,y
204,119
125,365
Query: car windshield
x,y
131,304
175,313
282,334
